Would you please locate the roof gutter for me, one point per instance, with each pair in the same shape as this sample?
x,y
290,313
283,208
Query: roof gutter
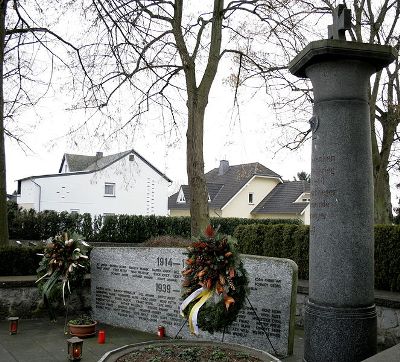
x,y
40,191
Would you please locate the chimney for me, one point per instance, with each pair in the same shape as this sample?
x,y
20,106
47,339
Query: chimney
x,y
99,155
223,167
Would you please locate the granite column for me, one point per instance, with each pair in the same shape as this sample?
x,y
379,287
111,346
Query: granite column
x,y
340,320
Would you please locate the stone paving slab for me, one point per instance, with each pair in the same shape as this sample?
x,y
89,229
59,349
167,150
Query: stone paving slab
x,y
389,355
44,341
39,340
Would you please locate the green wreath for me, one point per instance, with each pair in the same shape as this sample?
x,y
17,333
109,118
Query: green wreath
x,y
215,266
64,265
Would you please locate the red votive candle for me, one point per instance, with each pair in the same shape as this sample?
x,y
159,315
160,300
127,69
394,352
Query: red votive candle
x,y
14,327
101,338
161,331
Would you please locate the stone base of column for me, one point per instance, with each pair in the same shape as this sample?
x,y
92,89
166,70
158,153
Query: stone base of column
x,y
333,334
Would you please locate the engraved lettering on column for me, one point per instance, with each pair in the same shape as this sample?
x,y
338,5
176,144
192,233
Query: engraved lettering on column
x,y
323,196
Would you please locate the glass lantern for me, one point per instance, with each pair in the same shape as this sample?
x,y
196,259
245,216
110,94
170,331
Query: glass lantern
x,y
75,345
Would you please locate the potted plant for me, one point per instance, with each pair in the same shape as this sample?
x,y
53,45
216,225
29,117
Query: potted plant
x,y
83,326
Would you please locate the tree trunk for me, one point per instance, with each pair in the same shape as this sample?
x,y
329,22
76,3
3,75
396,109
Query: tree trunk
x,y
382,198
195,164
196,104
3,180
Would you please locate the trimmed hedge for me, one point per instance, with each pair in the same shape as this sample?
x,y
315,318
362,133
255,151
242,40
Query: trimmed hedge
x,y
22,260
19,260
281,241
292,242
387,257
32,225
229,224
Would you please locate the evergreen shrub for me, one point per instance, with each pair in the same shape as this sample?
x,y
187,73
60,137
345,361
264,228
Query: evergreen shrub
x,y
16,260
387,257
292,242
32,225
257,237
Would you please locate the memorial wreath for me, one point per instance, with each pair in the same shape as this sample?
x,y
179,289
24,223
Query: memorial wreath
x,y
64,260
215,283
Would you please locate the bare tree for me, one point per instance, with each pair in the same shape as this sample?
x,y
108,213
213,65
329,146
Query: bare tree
x,y
377,22
27,65
164,52
374,22
396,219
3,188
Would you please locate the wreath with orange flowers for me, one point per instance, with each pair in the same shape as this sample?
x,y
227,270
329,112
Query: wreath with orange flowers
x,y
214,265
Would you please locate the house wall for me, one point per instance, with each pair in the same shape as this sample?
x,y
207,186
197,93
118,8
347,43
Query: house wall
x,y
239,205
138,190
177,213
306,215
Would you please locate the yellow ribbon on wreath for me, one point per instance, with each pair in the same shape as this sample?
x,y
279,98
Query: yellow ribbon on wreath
x,y
203,294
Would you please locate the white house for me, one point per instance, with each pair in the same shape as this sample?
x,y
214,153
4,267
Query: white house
x,y
248,191
123,183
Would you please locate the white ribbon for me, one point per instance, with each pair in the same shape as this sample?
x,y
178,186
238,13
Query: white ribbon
x,y
189,299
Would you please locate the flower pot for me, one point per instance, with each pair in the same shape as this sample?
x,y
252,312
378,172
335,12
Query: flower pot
x,y
82,330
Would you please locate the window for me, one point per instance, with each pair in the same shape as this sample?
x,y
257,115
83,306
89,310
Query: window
x,y
304,197
74,211
251,198
109,189
107,215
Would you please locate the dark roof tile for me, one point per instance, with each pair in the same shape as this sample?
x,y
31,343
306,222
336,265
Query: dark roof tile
x,y
234,179
223,187
79,164
281,199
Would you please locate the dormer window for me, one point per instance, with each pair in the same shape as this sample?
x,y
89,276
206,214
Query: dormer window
x,y
181,197
304,197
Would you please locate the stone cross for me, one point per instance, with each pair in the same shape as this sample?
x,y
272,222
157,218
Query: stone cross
x,y
341,23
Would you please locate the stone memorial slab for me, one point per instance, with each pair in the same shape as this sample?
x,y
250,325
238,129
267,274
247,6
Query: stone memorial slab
x,y
140,288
